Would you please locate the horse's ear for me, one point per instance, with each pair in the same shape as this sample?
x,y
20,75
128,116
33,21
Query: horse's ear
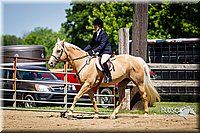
x,y
63,42
58,39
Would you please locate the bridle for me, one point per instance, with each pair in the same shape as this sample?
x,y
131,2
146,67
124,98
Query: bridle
x,y
57,59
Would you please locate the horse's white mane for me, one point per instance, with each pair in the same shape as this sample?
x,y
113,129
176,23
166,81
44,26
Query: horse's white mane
x,y
73,46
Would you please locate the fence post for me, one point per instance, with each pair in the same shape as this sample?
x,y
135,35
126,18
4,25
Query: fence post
x,y
139,45
123,41
139,30
65,88
123,48
15,82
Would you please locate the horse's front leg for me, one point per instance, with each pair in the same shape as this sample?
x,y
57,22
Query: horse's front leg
x,y
92,98
85,87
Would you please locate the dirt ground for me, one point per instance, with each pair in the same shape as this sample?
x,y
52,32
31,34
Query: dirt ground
x,y
28,121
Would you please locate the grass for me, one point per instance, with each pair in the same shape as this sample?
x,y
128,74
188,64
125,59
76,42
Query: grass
x,y
156,109
170,106
77,108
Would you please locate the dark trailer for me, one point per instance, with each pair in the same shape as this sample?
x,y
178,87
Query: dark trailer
x,y
181,58
26,51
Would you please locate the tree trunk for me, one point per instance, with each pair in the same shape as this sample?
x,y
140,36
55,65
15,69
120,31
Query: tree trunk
x,y
139,31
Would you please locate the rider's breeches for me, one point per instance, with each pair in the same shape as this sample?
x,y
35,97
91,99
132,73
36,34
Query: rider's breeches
x,y
105,58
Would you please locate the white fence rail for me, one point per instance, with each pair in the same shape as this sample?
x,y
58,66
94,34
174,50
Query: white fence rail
x,y
15,100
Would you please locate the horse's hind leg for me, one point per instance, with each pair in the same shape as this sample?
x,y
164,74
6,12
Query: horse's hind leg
x,y
92,98
121,88
138,80
143,94
115,112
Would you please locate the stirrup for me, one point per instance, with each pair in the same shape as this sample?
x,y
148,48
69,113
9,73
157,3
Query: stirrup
x,y
108,79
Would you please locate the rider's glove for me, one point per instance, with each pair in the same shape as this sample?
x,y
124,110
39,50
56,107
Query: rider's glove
x,y
91,53
97,53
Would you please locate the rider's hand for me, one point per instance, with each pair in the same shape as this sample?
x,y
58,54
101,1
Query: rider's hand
x,y
91,53
97,53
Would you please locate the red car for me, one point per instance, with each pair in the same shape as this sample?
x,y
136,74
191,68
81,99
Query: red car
x,y
71,77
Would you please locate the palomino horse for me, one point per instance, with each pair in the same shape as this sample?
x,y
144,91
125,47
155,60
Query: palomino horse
x,y
126,67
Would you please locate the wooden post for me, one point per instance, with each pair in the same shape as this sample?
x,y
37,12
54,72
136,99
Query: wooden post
x,y
123,41
139,46
123,48
139,31
15,81
65,88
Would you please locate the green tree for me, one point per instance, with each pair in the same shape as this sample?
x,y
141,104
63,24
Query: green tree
x,y
45,37
174,20
165,20
11,40
79,28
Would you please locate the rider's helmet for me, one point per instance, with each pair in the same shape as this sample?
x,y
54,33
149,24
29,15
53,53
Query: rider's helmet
x,y
98,21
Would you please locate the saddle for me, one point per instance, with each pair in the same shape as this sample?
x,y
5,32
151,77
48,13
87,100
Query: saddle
x,y
109,63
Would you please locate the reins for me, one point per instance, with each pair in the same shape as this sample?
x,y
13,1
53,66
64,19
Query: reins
x,y
87,62
58,58
80,57
71,60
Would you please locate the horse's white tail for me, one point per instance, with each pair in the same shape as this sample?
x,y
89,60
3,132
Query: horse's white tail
x,y
152,94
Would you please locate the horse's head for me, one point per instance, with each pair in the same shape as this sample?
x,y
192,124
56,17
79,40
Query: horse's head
x,y
57,54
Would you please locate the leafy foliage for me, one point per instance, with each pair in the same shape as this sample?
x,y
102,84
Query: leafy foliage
x,y
164,21
174,20
79,28
39,36
11,40
45,37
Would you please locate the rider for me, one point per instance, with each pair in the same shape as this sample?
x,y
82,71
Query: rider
x,y
101,47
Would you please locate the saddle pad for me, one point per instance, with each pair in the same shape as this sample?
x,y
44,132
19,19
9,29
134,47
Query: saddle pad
x,y
100,67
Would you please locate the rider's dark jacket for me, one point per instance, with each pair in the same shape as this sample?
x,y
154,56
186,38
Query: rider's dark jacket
x,y
99,44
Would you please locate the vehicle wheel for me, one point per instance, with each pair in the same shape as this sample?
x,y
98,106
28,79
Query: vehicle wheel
x,y
29,104
106,99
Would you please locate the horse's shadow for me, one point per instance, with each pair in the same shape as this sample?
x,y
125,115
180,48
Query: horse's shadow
x,y
83,116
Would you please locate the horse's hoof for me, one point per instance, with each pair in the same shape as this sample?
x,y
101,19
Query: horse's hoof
x,y
96,117
113,117
69,116
145,114
62,114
